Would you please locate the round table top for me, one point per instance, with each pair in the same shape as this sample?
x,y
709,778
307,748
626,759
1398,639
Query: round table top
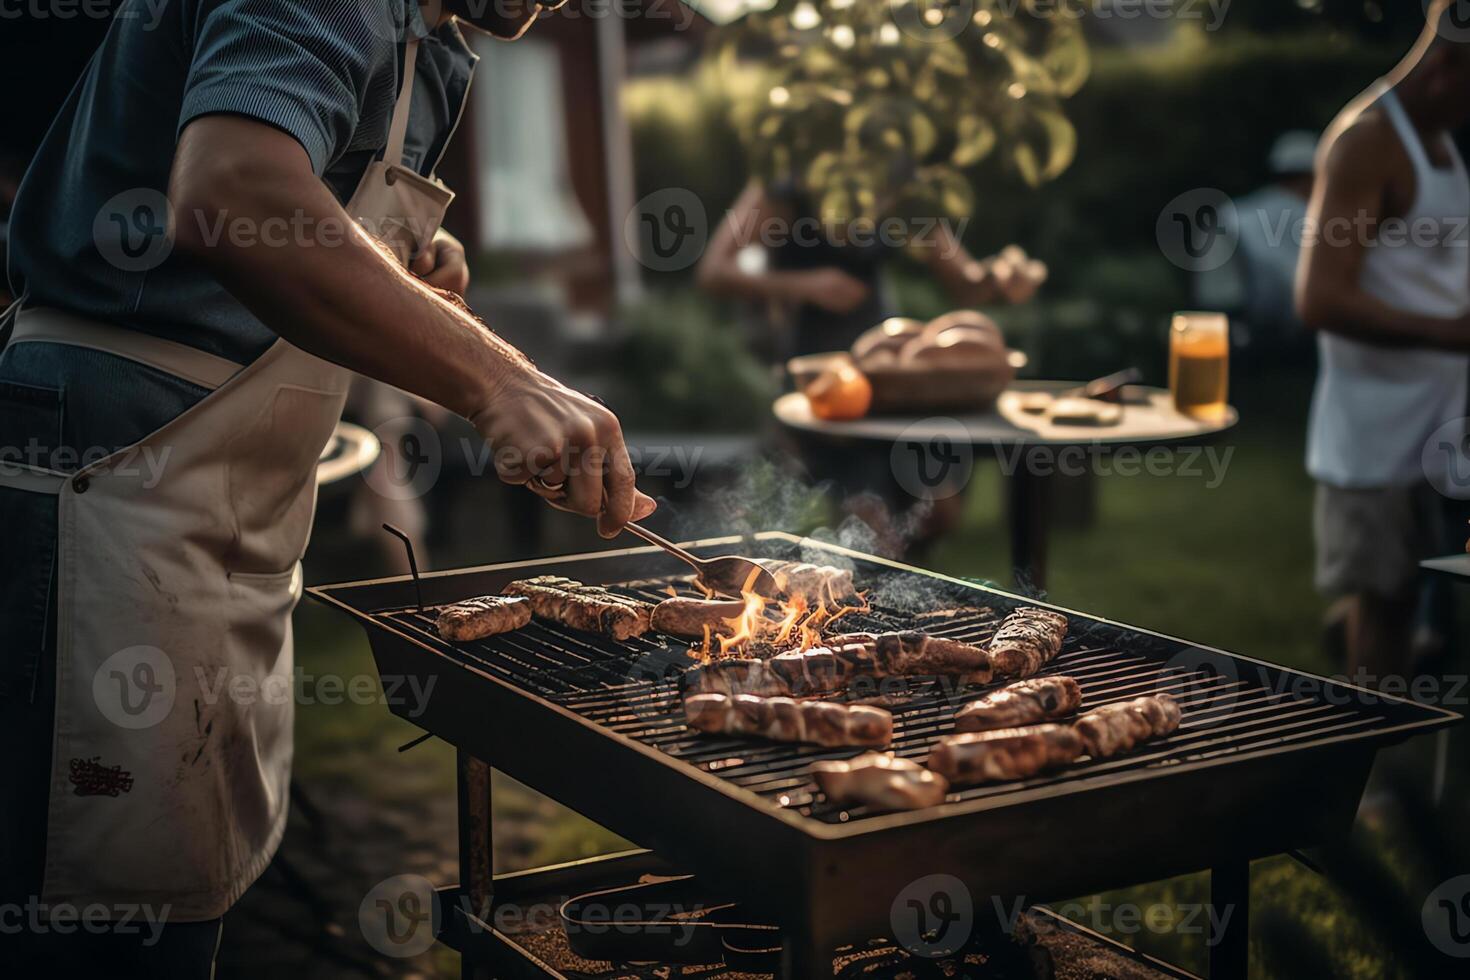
x,y
1148,417
351,450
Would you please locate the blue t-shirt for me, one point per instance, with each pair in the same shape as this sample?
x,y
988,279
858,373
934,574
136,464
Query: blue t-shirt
x,y
86,232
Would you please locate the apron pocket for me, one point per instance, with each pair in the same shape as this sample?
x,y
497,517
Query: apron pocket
x,y
30,432
261,606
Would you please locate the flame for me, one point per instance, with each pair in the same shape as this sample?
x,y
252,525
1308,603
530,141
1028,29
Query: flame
x,y
789,624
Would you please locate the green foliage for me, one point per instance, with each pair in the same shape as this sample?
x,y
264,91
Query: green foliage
x,y
873,109
691,368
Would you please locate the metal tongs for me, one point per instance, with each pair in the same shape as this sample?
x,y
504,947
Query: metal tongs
x,y
728,575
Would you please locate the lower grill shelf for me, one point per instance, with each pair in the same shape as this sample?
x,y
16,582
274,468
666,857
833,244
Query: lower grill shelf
x,y
532,944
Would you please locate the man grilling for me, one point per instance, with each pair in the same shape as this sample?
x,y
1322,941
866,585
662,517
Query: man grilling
x,y
1385,280
173,371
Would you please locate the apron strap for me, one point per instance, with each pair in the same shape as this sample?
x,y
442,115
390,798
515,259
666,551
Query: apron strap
x,y
53,326
398,130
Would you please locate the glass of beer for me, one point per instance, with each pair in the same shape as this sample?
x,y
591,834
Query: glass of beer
x,y
1199,365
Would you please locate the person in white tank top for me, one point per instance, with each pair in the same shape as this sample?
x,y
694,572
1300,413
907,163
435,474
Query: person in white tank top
x,y
1384,279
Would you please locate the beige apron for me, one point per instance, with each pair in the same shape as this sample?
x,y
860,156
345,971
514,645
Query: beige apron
x,y
178,568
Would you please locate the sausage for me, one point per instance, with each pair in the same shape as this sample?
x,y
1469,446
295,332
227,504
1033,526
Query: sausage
x,y
785,720
1027,640
1010,753
880,780
1027,702
688,617
487,615
911,653
1116,728
584,607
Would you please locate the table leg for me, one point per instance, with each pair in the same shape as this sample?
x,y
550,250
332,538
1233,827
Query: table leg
x,y
1029,510
476,853
1230,894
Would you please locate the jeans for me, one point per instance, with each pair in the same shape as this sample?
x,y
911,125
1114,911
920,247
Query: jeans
x,y
60,406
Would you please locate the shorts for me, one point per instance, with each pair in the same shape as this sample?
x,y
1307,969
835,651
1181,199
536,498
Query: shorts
x,y
1372,540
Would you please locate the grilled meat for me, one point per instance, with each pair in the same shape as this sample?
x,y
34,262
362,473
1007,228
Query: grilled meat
x,y
1116,728
1028,639
1027,702
785,720
882,781
1010,753
583,607
915,653
824,670
689,617
484,616
789,675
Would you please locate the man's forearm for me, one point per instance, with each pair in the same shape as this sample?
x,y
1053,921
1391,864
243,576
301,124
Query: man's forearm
x,y
328,289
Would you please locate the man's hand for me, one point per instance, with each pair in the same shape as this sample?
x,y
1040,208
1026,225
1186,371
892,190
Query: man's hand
x,y
833,290
442,264
1010,276
563,446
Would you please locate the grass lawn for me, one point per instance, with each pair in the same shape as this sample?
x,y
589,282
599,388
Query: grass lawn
x,y
1229,566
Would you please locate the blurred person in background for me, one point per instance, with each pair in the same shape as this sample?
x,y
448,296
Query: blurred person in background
x,y
822,293
1385,282
1255,285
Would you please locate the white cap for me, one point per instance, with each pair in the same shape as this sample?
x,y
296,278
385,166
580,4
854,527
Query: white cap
x,y
1293,153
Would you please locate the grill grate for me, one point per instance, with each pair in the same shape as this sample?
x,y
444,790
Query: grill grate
x,y
630,688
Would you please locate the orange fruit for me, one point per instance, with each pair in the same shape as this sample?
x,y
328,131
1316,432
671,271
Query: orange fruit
x,y
838,393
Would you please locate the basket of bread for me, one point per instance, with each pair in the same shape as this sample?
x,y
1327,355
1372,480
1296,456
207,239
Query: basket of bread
x,y
957,362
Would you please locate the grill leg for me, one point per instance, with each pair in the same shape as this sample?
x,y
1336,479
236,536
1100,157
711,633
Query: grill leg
x,y
1230,893
476,854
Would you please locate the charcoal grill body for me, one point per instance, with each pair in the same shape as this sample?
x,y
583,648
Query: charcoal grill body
x,y
1281,766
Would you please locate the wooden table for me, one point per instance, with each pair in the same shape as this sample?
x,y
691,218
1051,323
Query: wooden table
x,y
1029,446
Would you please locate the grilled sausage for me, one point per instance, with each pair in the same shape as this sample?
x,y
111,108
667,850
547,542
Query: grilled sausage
x,y
1028,639
912,653
1116,728
584,607
882,781
735,676
824,670
487,615
1010,753
1023,703
689,617
784,720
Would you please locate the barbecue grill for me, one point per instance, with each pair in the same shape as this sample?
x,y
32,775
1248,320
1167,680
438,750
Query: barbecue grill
x,y
1267,760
